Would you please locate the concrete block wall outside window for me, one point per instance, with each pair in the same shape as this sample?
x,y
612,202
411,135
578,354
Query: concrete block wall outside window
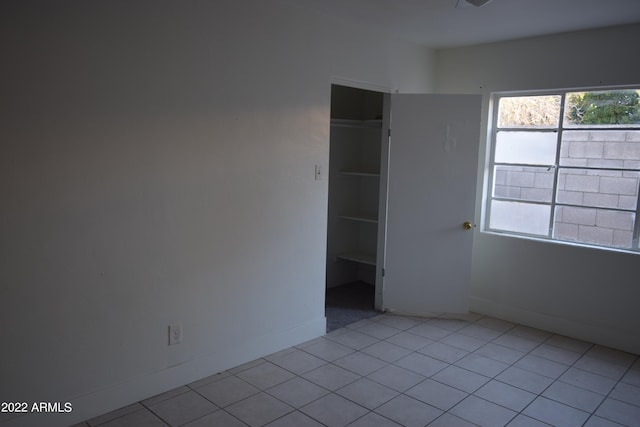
x,y
584,187
595,199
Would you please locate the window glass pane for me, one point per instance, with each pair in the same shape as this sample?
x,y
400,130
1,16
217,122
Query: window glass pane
x,y
526,147
529,111
598,188
595,226
613,149
587,188
520,217
603,108
523,183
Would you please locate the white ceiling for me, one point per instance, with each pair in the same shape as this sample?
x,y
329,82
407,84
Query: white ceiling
x,y
440,24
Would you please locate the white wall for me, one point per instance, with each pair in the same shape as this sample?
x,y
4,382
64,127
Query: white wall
x,y
580,292
157,166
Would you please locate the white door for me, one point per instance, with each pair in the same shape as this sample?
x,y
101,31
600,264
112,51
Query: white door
x,y
433,160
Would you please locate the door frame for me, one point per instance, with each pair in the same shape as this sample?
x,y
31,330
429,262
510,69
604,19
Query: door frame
x,y
382,202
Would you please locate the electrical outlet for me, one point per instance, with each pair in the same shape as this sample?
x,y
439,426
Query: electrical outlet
x,y
175,334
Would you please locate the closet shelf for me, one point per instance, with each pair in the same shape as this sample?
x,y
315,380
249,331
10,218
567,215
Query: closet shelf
x,y
356,123
359,257
360,217
358,173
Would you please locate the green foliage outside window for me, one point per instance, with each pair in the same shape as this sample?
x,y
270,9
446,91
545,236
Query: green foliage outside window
x,y
603,108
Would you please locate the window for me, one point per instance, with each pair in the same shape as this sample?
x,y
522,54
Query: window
x,y
566,166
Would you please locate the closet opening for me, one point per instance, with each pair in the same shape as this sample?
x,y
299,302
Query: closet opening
x,y
357,205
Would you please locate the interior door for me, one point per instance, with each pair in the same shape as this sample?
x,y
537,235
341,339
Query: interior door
x,y
432,170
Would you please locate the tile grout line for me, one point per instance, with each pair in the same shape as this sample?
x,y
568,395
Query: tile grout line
x,y
396,329
608,396
540,395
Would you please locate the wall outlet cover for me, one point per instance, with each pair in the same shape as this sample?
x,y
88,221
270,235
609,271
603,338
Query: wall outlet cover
x,y
175,334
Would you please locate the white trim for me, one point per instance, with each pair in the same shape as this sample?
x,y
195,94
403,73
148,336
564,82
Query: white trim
x,y
542,92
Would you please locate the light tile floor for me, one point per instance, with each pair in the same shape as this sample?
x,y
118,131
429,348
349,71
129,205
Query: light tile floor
x,y
393,370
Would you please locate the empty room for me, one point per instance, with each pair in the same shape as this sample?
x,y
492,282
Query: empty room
x,y
185,184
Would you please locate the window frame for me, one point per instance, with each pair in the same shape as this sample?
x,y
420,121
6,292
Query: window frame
x,y
491,166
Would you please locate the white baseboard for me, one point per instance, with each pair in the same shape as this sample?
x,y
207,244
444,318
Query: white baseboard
x,y
108,399
602,335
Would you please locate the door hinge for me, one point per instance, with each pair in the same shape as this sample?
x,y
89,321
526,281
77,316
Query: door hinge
x,y
389,132
383,272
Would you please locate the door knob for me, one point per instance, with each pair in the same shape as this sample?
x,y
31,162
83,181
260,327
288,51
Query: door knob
x,y
467,225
